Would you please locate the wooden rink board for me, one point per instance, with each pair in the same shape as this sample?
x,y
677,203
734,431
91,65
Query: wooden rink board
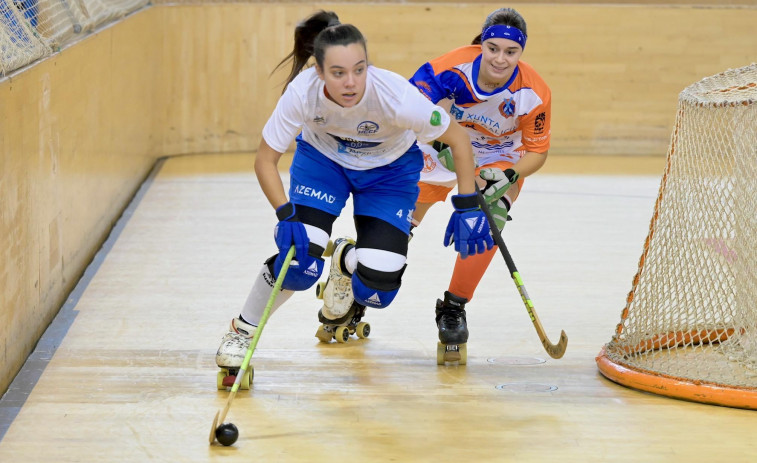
x,y
133,379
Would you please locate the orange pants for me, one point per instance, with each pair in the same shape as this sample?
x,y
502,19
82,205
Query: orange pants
x,y
469,271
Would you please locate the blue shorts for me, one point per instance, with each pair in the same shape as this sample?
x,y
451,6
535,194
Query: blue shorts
x,y
388,192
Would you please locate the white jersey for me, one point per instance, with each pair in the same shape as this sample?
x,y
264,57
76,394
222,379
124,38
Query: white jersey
x,y
375,132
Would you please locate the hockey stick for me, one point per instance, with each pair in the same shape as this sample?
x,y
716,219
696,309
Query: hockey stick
x,y
221,415
554,350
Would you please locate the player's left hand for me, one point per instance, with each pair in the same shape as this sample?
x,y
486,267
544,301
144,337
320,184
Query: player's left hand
x,y
468,228
497,182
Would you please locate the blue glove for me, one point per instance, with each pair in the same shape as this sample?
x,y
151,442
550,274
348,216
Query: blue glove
x,y
290,231
468,227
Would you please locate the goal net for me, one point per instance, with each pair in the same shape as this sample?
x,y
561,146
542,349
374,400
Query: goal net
x,y
33,29
689,327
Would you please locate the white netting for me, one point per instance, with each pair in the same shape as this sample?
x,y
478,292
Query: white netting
x,y
692,312
32,29
19,42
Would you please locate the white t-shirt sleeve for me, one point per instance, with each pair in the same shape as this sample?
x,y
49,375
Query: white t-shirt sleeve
x,y
286,121
418,114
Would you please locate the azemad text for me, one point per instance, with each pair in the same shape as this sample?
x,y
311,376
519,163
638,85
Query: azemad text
x,y
313,193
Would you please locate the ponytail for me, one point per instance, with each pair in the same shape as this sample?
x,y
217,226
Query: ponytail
x,y
313,35
304,37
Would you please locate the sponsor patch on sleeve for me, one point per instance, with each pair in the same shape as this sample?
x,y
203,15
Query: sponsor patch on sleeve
x,y
436,118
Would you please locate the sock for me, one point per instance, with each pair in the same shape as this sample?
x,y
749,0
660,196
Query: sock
x,y
254,306
468,273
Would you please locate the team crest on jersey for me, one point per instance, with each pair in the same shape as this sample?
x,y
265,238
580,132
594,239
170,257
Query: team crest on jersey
x,y
456,112
428,162
507,107
367,128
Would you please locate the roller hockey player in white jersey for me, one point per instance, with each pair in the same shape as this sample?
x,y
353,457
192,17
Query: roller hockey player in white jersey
x,y
359,125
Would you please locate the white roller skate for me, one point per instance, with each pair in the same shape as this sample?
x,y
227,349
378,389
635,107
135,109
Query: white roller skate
x,y
341,328
340,313
231,354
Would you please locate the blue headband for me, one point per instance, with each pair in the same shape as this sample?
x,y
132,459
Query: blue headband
x,y
499,31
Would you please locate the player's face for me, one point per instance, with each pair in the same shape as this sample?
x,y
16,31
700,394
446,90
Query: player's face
x,y
499,58
344,73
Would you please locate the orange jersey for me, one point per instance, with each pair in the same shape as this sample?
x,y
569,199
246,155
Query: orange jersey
x,y
502,124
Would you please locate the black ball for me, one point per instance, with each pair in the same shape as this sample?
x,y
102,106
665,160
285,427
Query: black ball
x,y
227,434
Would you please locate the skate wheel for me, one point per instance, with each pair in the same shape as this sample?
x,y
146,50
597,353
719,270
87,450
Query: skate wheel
x,y
247,378
220,378
363,330
227,377
451,353
440,350
342,334
320,287
463,348
323,335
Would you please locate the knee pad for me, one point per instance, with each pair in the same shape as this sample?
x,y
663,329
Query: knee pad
x,y
375,289
300,276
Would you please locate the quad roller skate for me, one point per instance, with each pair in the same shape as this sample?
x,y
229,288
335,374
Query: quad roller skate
x,y
338,302
341,328
453,330
231,354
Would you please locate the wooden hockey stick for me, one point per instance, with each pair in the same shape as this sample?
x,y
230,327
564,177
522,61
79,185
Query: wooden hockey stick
x,y
554,350
221,415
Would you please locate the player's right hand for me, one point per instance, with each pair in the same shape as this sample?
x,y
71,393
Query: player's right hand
x,y
468,228
290,232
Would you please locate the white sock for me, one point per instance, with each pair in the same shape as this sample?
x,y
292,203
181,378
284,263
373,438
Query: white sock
x,y
350,260
256,301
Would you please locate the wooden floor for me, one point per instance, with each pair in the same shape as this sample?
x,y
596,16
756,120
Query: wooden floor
x,y
127,371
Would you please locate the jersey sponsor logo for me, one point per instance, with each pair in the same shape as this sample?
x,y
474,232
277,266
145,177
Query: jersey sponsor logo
x,y
367,128
486,122
313,193
507,107
539,123
493,148
456,112
436,118
536,139
348,145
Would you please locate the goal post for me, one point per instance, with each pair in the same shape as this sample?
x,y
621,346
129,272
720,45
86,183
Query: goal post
x,y
689,327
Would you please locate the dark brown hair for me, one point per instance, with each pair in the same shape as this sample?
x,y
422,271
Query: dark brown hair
x,y
504,17
314,35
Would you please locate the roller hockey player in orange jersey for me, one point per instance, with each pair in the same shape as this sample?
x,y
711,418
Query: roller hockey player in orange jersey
x,y
505,107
